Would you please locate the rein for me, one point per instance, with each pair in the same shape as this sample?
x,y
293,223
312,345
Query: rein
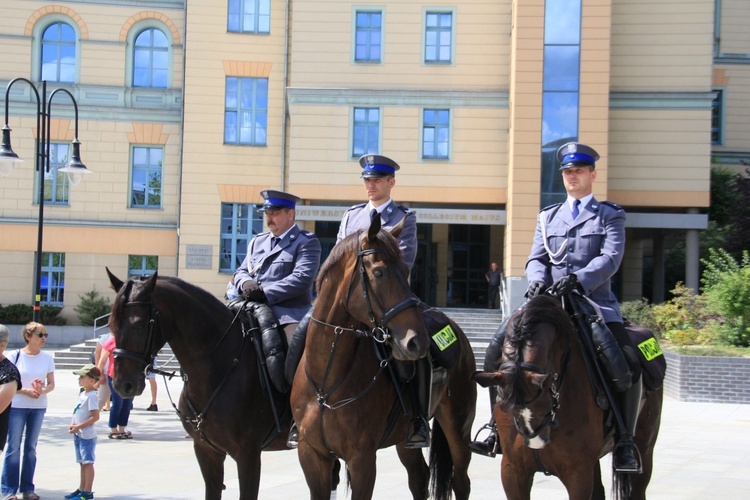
x,y
379,333
198,419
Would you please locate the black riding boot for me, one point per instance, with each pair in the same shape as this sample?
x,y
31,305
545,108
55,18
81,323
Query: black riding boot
x,y
490,447
418,435
625,456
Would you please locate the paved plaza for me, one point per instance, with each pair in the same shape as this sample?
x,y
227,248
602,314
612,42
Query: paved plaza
x,y
703,452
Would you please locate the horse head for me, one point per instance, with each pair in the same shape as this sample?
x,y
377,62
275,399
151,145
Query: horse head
x,y
134,325
378,292
534,360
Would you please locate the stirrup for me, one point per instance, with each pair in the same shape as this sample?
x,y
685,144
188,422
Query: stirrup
x,y
292,441
488,447
411,442
627,443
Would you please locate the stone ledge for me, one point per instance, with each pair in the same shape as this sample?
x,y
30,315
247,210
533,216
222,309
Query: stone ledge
x,y
707,379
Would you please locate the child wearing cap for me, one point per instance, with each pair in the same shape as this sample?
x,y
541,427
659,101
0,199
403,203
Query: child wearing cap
x,y
81,426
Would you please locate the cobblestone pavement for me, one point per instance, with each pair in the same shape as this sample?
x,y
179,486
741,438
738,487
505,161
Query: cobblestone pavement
x,y
703,452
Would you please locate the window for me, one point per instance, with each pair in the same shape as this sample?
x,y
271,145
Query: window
x,y
366,131
53,278
435,133
56,184
249,16
240,222
151,59
142,265
58,54
717,118
438,44
146,186
368,36
246,111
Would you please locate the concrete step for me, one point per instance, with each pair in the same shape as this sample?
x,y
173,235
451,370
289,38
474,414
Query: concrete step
x,y
80,354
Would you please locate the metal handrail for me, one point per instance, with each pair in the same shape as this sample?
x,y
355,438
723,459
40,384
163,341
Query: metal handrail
x,y
105,325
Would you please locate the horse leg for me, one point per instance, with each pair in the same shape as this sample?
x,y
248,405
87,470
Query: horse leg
x,y
362,470
248,470
212,469
451,436
417,471
318,470
580,481
516,482
597,492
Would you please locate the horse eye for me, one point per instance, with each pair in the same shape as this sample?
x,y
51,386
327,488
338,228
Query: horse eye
x,y
378,273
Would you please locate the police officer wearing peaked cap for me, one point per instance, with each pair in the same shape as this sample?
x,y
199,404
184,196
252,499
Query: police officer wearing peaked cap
x,y
574,154
281,263
379,174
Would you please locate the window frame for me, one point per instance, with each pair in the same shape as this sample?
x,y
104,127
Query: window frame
x,y
151,49
353,131
718,115
356,10
52,271
136,30
426,12
147,168
239,242
239,110
144,269
256,17
37,48
449,140
54,180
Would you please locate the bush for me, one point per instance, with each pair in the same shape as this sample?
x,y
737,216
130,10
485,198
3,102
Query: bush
x,y
726,285
92,306
20,314
686,318
641,313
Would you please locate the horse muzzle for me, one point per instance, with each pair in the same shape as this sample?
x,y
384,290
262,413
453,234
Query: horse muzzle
x,y
129,387
411,347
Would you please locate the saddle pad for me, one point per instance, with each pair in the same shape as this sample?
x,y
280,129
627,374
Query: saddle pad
x,y
445,347
651,357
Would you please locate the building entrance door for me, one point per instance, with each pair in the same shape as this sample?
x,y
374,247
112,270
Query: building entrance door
x,y
468,260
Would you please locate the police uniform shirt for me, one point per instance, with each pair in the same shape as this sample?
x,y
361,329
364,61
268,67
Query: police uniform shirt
x,y
358,218
286,272
591,246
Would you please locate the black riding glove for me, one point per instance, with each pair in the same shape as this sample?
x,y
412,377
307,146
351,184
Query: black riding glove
x,y
535,288
251,290
565,285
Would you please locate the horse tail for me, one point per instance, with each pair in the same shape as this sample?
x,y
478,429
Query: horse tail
x,y
621,485
441,465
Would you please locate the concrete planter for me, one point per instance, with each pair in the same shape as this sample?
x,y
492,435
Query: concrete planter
x,y
707,379
59,336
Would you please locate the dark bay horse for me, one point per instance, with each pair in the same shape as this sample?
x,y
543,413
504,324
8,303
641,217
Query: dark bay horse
x,y
343,400
222,405
546,414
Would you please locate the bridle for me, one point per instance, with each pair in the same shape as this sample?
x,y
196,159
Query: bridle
x,y
378,332
146,358
555,388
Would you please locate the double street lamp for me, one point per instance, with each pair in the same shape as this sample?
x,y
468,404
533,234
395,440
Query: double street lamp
x,y
74,167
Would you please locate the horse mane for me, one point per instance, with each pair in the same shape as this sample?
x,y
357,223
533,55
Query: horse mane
x,y
387,247
521,327
123,296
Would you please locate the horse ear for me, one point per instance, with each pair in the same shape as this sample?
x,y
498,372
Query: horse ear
x,y
396,230
487,379
150,283
116,282
372,233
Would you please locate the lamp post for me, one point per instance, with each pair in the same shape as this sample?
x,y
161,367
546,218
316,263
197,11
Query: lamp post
x,y
74,168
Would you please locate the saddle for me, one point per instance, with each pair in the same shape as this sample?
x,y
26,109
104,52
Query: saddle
x,y
649,356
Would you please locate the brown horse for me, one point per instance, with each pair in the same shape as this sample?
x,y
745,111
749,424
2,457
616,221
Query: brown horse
x,y
546,414
222,405
343,399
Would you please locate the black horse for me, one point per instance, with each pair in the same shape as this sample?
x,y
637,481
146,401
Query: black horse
x,y
222,404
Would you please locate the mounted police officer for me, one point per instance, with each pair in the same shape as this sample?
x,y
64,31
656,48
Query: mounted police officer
x,y
379,177
579,244
281,263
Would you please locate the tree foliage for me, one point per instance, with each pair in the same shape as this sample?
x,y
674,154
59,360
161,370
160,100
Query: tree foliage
x,y
92,306
726,286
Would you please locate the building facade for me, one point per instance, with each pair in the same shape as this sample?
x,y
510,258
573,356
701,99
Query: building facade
x,y
188,109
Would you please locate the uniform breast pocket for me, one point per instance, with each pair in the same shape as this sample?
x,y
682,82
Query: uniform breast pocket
x,y
592,238
282,265
556,238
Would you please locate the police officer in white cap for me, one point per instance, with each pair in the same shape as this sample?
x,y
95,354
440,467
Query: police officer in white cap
x,y
379,174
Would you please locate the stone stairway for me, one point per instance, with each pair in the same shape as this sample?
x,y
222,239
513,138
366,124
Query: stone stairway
x,y
80,354
478,324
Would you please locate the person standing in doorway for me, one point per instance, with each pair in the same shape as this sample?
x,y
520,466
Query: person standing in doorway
x,y
494,276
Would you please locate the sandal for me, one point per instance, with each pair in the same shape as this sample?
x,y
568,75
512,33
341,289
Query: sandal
x,y
116,435
127,435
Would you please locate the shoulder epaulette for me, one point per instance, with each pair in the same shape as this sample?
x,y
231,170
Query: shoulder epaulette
x,y
358,205
406,210
307,233
555,205
613,205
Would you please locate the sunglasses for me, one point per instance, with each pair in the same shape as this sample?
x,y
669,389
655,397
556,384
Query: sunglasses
x,y
43,335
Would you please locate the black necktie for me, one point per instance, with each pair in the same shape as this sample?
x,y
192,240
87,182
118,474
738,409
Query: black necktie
x,y
575,208
274,242
372,213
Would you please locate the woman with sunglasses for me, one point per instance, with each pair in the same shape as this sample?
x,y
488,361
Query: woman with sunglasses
x,y
27,411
